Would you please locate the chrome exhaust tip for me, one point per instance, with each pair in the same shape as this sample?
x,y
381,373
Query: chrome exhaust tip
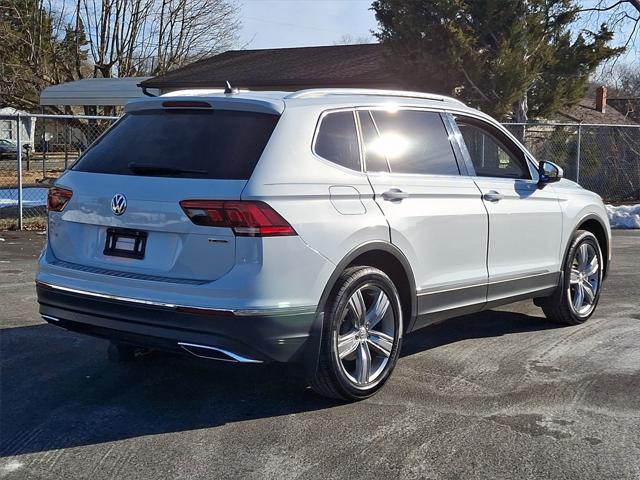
x,y
215,353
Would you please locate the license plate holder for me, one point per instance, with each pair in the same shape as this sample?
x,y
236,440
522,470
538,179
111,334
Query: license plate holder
x,y
125,242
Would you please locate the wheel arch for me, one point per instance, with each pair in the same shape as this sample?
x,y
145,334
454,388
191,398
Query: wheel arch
x,y
388,258
592,223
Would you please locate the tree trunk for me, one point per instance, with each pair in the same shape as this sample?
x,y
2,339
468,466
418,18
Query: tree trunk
x,y
521,109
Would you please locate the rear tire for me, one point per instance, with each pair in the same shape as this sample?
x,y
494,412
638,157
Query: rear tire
x,y
577,296
361,335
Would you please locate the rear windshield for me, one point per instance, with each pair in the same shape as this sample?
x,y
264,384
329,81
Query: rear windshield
x,y
220,144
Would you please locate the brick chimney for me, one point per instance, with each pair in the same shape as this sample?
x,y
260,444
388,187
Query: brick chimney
x,y
601,99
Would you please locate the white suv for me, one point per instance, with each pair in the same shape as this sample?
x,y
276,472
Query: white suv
x,y
318,226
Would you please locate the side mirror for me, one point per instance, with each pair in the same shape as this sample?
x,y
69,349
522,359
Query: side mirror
x,y
548,172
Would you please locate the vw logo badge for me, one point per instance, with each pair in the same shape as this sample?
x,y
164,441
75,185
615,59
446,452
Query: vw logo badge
x,y
118,204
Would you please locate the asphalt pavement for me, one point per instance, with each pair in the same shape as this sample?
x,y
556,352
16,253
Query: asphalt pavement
x,y
499,395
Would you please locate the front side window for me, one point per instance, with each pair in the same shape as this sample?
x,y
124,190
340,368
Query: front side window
x,y
337,140
491,152
416,142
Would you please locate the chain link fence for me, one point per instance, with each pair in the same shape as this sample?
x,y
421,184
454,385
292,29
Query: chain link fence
x,y
602,158
34,151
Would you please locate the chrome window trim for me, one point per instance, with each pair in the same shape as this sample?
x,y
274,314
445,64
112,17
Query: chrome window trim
x,y
370,108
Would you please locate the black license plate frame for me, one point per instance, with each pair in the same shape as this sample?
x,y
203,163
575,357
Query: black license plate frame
x,y
125,242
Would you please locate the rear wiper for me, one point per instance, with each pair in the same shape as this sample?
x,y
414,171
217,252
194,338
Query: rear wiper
x,y
150,169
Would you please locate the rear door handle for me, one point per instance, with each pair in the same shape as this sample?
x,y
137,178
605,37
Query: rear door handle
x,y
394,194
493,196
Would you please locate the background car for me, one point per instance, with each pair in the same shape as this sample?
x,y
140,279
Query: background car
x,y
9,149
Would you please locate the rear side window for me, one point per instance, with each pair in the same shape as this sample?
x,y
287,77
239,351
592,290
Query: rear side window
x,y
218,144
415,142
337,140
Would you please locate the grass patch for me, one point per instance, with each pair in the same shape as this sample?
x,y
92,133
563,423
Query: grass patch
x,y
31,224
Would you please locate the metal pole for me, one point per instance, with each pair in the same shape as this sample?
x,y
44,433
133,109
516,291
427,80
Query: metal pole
x,y
19,167
578,153
66,143
45,146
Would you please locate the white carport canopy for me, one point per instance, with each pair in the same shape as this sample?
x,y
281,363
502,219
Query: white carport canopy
x,y
94,91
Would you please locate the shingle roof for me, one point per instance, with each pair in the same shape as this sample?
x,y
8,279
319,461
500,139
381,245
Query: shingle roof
x,y
585,112
360,65
305,66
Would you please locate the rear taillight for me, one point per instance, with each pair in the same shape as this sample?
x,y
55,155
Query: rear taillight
x,y
246,218
58,198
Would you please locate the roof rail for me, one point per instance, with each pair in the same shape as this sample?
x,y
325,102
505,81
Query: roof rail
x,y
321,92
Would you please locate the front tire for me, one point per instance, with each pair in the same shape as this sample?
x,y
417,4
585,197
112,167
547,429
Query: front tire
x,y
361,335
577,296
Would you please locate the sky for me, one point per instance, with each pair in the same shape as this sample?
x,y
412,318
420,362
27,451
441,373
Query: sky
x,y
297,23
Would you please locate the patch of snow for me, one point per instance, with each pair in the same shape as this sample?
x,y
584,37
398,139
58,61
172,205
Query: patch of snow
x,y
31,197
624,216
12,466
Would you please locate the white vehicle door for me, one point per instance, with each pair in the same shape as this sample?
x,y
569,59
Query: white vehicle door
x,y
525,221
435,212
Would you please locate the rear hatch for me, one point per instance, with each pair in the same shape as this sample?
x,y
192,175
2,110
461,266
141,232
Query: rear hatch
x,y
124,217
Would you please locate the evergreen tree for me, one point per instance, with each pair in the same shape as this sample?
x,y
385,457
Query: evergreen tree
x,y
506,57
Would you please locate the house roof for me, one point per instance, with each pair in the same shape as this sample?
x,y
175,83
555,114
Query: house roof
x,y
585,112
628,106
360,65
328,66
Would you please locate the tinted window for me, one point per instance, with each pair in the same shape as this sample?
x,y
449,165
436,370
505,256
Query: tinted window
x,y
490,151
182,143
374,158
337,140
415,142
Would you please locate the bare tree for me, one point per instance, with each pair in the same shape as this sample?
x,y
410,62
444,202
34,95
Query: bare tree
x,y
348,39
191,30
619,15
625,81
137,37
41,45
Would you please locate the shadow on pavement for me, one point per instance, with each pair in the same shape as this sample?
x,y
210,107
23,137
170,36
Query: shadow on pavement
x,y
57,389
491,323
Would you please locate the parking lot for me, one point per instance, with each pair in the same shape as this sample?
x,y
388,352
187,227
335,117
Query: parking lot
x,y
501,394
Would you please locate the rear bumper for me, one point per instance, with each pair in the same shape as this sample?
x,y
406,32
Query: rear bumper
x,y
252,336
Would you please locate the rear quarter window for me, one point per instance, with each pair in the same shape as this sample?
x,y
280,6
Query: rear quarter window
x,y
218,144
337,140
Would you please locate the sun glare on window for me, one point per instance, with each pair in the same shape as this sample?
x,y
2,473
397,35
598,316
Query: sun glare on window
x,y
392,145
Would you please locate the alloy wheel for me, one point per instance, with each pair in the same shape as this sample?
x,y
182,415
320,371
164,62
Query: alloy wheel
x,y
366,335
584,282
